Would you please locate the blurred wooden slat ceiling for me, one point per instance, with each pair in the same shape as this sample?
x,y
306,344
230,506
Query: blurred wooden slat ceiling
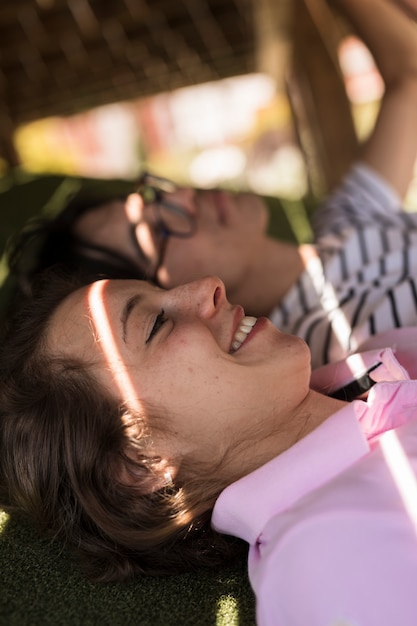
x,y
59,57
63,56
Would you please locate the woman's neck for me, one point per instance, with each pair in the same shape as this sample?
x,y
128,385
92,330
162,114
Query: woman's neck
x,y
288,430
312,413
316,410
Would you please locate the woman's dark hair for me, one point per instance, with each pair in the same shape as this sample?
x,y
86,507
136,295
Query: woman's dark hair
x,y
76,462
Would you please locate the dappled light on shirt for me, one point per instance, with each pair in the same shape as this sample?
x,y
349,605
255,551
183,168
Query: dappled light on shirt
x,y
331,303
402,472
105,339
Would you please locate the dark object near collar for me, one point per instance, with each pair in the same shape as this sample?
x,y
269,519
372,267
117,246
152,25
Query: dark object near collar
x,y
356,388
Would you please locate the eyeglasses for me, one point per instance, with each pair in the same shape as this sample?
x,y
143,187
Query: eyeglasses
x,y
165,218
162,217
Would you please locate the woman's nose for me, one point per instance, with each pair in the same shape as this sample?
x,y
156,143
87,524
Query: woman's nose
x,y
202,297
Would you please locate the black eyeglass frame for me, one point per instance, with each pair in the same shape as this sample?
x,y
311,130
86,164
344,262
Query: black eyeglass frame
x,y
153,189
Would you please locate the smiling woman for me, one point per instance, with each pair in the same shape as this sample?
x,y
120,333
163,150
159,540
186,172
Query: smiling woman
x,y
131,333
121,454
78,457
145,429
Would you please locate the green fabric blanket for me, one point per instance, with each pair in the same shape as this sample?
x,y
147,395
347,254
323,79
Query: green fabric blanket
x,y
40,585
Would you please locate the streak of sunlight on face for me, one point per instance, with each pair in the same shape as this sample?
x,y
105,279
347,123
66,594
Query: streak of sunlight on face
x,y
105,337
111,353
134,212
402,472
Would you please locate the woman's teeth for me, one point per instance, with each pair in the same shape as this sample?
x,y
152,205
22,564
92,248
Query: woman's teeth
x,y
242,332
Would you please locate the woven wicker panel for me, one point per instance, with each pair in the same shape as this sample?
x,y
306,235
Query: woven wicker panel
x,y
63,56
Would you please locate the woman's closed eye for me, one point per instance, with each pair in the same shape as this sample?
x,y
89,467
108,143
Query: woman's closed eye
x,y
159,322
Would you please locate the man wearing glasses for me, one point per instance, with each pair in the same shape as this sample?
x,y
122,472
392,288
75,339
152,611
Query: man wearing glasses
x,y
358,277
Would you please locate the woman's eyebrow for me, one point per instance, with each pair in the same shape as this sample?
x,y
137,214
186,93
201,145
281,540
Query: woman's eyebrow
x,y
127,310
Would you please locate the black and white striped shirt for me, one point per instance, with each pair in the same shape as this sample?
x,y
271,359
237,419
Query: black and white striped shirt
x,y
364,280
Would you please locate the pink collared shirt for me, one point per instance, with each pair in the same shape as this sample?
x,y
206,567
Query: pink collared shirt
x,y
332,536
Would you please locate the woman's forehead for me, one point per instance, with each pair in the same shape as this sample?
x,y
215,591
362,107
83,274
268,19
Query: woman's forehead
x,y
117,288
97,305
67,332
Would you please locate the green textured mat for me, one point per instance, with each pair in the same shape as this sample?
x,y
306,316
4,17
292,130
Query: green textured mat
x,y
41,585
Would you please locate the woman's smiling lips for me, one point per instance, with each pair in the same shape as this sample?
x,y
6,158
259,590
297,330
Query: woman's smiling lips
x,y
242,331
